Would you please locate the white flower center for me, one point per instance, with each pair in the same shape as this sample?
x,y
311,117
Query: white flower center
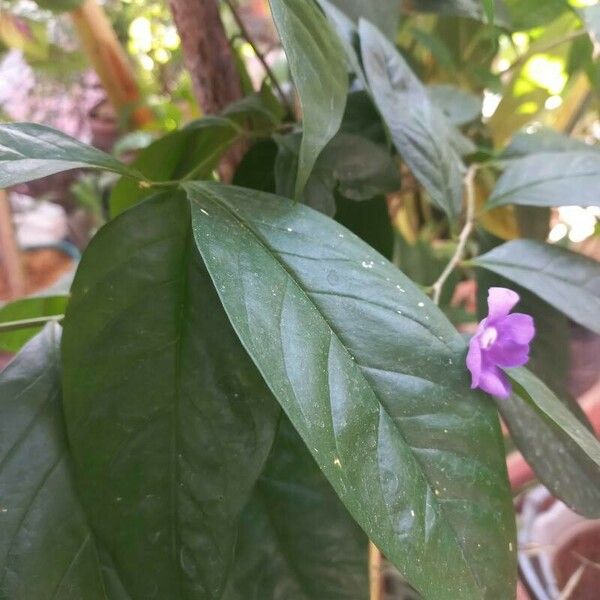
x,y
488,337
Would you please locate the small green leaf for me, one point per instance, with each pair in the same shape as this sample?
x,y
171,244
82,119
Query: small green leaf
x,y
549,179
557,460
490,10
29,151
318,65
582,447
296,539
169,421
419,130
46,547
199,146
591,18
372,376
566,280
472,9
384,14
544,140
526,14
352,165
459,106
59,6
26,309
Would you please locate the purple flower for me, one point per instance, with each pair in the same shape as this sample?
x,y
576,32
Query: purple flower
x,y
501,340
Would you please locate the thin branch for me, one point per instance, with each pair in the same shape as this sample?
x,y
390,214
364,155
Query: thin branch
x,y
263,61
375,573
27,323
469,184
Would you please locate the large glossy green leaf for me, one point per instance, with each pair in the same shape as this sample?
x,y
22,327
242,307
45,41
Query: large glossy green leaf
x,y
12,316
557,460
372,376
296,540
198,146
168,419
566,280
47,551
550,179
419,130
29,151
318,65
539,397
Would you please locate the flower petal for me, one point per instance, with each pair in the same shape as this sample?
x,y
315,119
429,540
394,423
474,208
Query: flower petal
x,y
474,360
506,353
500,302
517,327
495,382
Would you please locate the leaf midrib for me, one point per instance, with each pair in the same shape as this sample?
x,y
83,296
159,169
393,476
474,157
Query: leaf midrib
x,y
212,196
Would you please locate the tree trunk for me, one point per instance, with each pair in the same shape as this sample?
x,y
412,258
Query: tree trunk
x,y
207,53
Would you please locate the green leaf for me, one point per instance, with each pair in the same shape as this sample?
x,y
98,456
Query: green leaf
x,y
169,421
550,179
543,140
354,166
198,146
556,459
566,280
372,376
526,14
420,132
318,65
459,106
296,540
29,151
58,6
361,118
591,18
533,391
37,307
384,14
46,548
257,168
490,10
472,9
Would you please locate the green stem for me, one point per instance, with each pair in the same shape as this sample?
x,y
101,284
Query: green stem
x,y
28,323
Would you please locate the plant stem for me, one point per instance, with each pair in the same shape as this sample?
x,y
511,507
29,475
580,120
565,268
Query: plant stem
x,y
263,61
27,323
375,581
469,184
